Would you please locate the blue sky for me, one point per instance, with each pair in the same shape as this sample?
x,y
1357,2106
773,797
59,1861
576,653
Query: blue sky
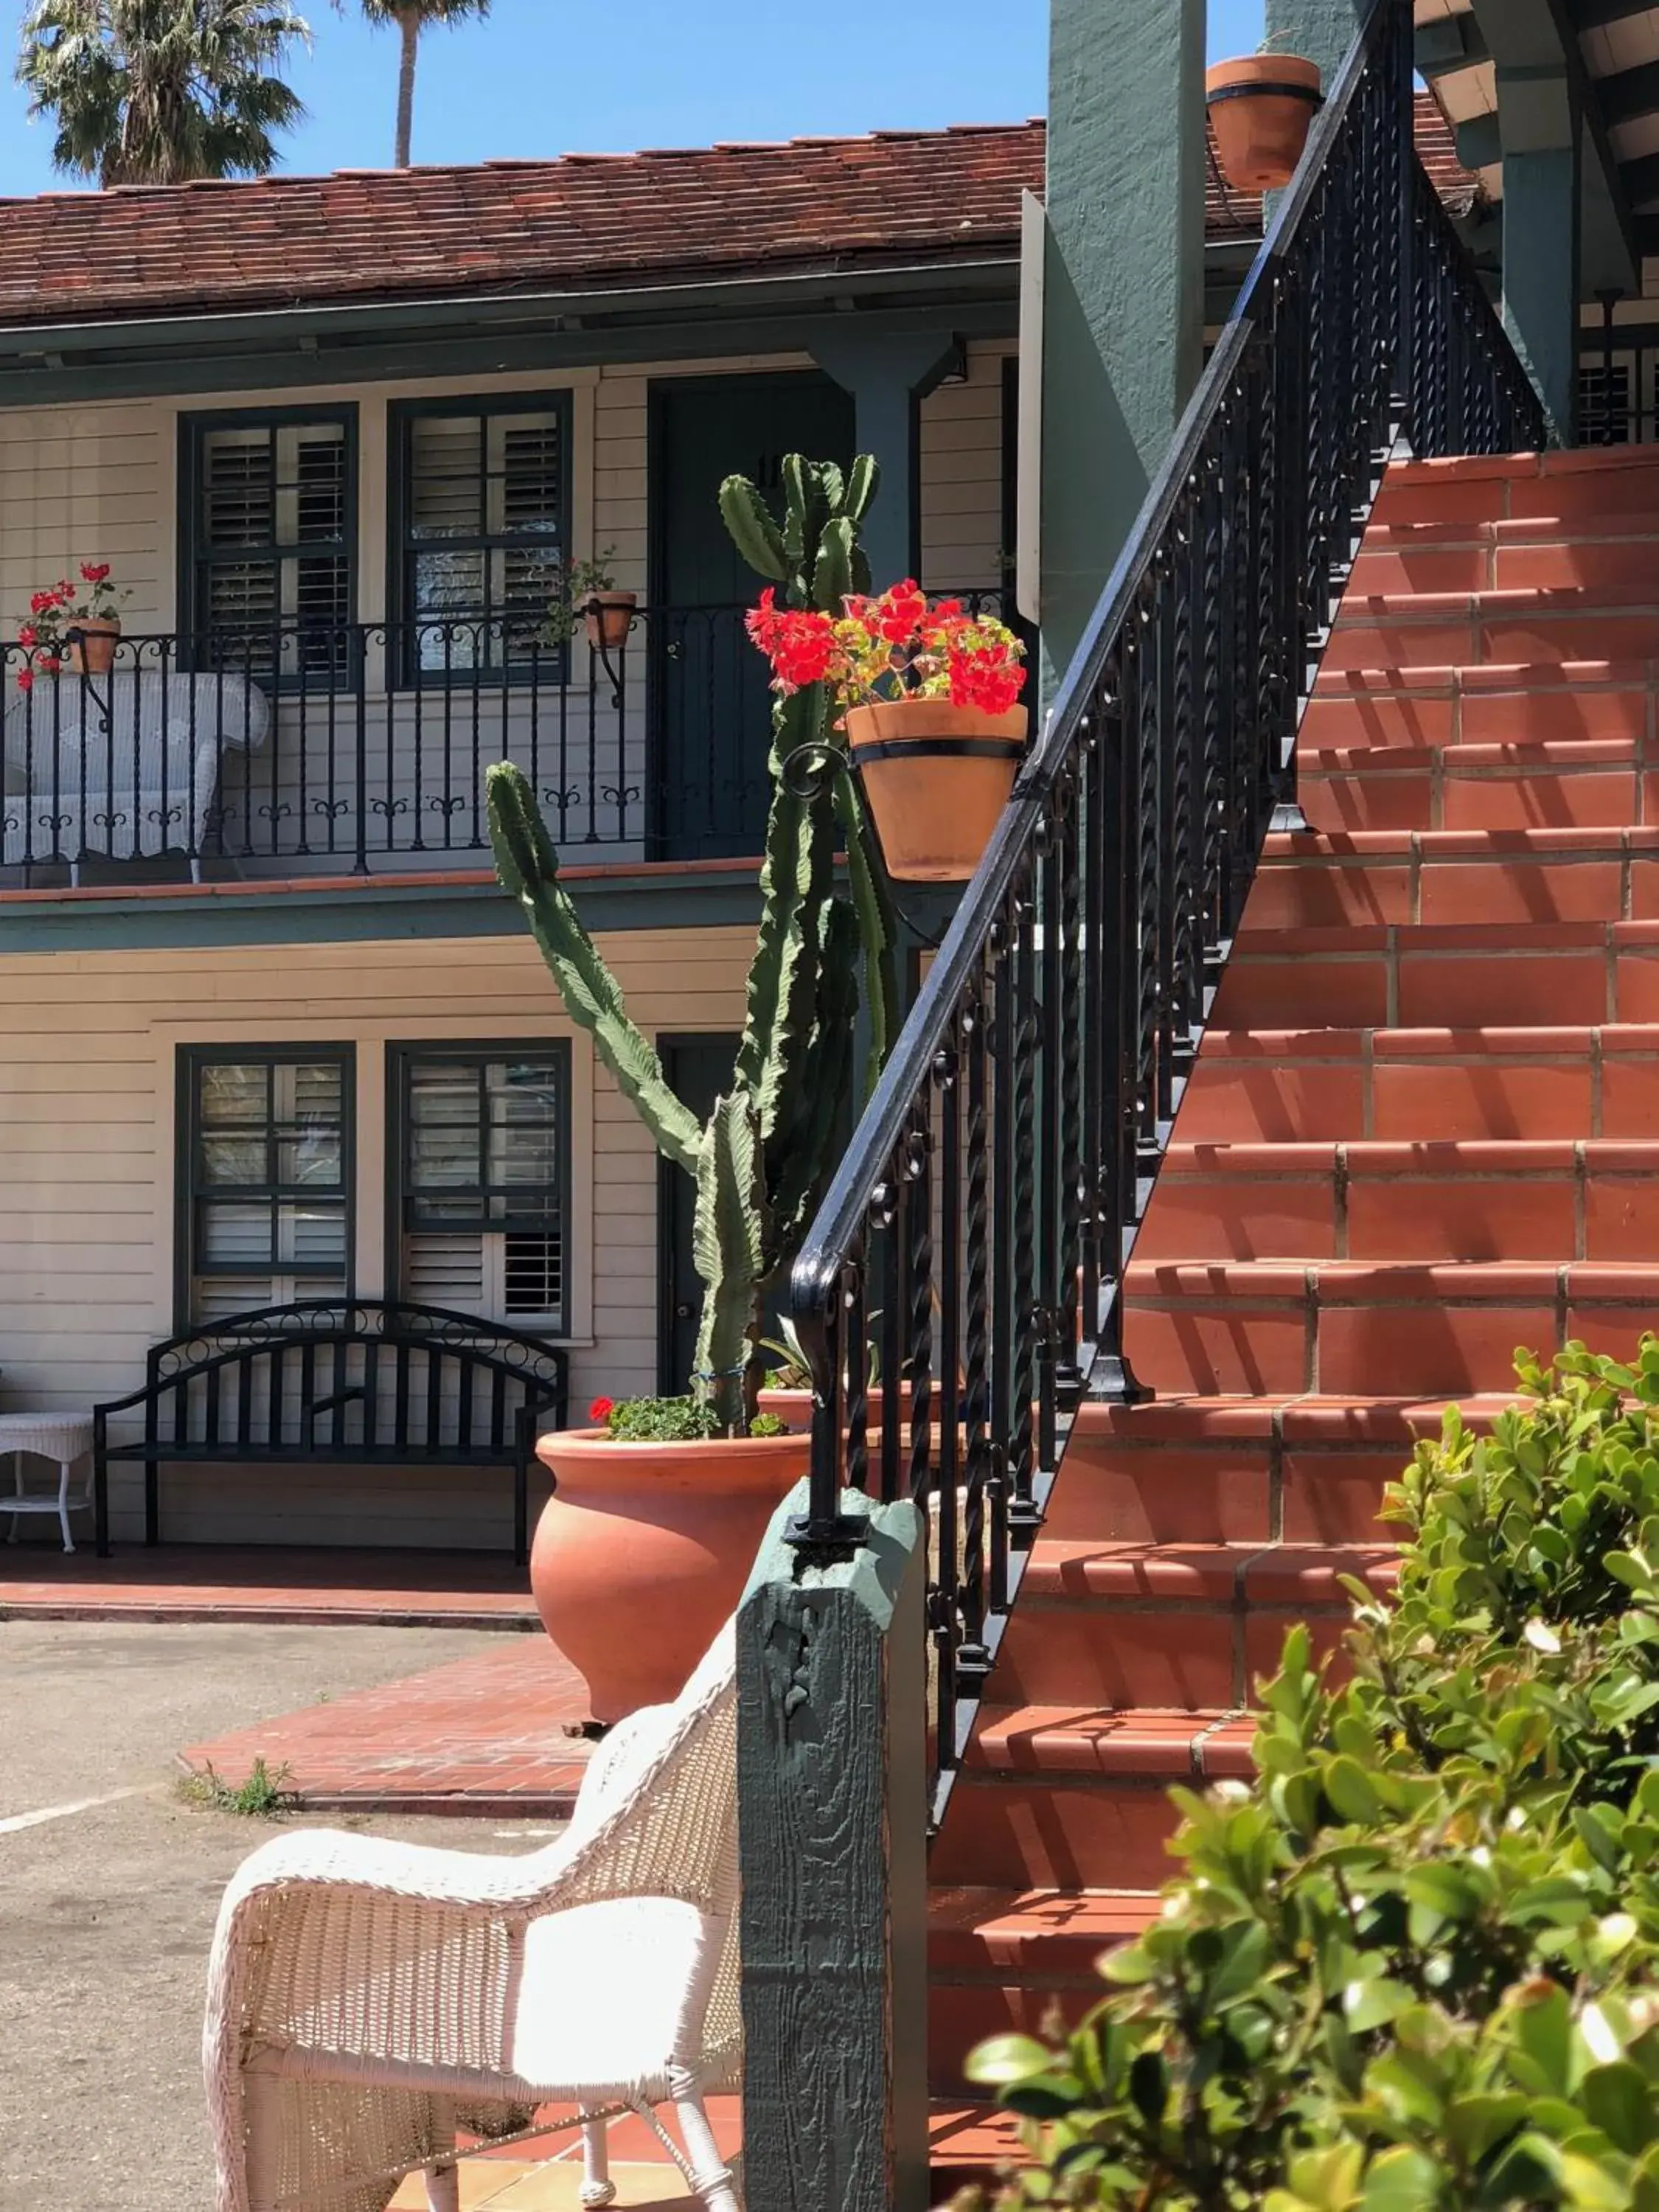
x,y
547,77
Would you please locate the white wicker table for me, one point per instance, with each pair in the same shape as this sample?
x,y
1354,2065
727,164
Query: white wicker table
x,y
64,1438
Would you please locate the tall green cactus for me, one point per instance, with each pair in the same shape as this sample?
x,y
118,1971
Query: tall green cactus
x,y
761,1160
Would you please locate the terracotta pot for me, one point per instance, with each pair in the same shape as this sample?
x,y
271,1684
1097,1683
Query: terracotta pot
x,y
936,777
93,652
610,617
794,1407
643,1550
1261,108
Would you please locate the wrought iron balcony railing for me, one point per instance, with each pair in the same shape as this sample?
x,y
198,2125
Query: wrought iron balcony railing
x,y
334,747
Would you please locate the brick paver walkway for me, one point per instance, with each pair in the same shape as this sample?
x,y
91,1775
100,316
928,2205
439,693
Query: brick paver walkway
x,y
486,1735
203,1581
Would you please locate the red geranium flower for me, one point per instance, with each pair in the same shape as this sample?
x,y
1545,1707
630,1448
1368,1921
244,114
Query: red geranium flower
x,y
25,679
28,634
95,572
53,663
601,1409
41,600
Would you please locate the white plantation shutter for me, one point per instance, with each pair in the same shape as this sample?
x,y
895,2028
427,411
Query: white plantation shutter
x,y
269,1212
272,542
446,1270
483,1164
483,529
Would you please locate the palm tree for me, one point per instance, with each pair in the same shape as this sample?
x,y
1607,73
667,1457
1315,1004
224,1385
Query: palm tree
x,y
156,92
412,17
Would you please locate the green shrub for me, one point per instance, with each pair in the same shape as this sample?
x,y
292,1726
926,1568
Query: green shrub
x,y
1416,1963
676,1421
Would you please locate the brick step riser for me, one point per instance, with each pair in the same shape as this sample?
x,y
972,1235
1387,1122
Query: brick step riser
x,y
1513,558
1334,890
1531,986
1587,500
1032,1834
1504,641
1375,709
1432,795
1196,1657
1444,1097
1442,1217
1191,1345
1239,1494
961,2014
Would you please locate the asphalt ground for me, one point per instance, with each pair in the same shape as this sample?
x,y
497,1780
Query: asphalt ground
x,y
106,1911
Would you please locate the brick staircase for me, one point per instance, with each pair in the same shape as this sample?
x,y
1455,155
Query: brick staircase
x,y
1424,1129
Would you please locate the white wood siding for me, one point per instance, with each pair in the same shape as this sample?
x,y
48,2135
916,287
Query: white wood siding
x,y
86,1139
961,477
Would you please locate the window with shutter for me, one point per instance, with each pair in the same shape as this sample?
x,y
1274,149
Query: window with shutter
x,y
481,510
481,1142
269,543
266,1179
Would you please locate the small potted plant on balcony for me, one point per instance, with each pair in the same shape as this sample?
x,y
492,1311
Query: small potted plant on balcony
x,y
1262,106
588,588
660,1505
929,700
80,622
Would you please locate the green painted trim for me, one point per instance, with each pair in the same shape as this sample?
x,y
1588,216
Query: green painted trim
x,y
142,360
189,1060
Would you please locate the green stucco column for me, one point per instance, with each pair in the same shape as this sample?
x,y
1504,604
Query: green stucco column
x,y
1541,197
1123,283
889,378
1321,30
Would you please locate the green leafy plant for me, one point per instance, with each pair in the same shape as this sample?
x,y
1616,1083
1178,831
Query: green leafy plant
x,y
668,1420
1415,1963
263,1795
761,1158
572,584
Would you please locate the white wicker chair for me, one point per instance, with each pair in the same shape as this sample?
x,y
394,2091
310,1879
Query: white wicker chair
x,y
367,1999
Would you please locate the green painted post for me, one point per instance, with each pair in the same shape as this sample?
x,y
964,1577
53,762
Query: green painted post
x,y
1320,30
889,377
1542,192
1123,283
833,1831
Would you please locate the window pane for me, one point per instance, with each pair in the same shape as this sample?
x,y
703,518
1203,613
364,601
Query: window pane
x,y
235,1236
523,475
237,488
446,489
534,1275
311,484
234,1095
244,1160
257,1124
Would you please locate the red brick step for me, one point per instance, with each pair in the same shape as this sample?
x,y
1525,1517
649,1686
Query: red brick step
x,y
1597,783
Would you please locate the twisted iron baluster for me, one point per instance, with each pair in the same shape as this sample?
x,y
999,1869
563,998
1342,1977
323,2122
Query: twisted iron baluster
x,y
973,1654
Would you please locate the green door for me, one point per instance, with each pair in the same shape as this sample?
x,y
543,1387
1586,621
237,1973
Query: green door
x,y
710,709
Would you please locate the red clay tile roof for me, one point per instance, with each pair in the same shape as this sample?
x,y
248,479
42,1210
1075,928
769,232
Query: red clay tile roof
x,y
585,221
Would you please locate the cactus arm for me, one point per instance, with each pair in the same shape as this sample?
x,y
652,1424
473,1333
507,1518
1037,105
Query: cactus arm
x,y
528,866
878,931
832,571
863,482
798,1158
728,1245
796,877
749,523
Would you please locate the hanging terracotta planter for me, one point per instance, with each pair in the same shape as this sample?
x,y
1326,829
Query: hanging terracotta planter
x,y
1261,108
610,617
936,776
93,641
643,1550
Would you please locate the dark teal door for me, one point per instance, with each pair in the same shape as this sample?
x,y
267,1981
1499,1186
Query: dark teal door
x,y
710,707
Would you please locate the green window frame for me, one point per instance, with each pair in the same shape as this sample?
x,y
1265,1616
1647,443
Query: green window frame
x,y
267,568
478,1159
479,518
265,1177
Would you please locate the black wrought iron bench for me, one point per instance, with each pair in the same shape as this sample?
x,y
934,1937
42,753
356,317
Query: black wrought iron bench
x,y
336,1384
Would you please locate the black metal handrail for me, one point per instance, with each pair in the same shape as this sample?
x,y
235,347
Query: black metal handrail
x,y
974,1241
